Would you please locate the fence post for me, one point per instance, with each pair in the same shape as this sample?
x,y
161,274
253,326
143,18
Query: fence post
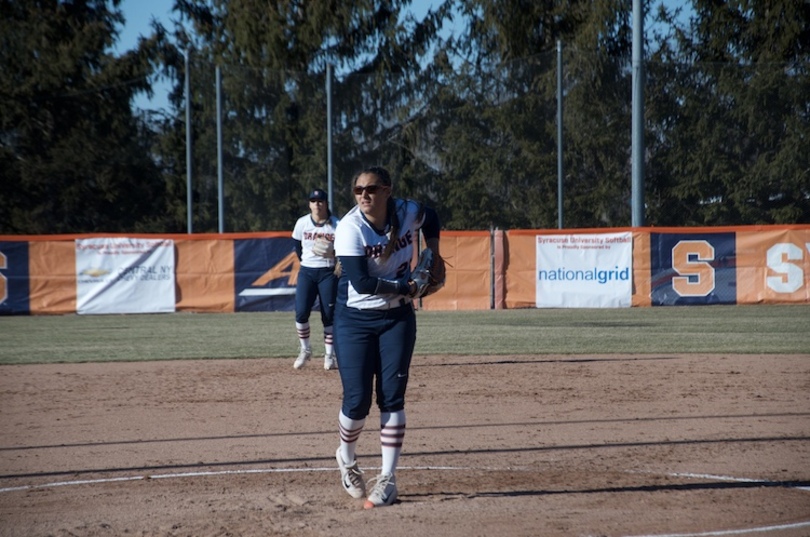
x,y
220,188
638,115
560,174
499,270
187,53
329,133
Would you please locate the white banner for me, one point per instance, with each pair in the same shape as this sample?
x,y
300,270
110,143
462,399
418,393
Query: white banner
x,y
121,275
584,271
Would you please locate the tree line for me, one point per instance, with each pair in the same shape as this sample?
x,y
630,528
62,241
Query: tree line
x,y
460,105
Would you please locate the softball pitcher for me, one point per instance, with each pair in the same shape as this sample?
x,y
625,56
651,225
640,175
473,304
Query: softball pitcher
x,y
375,323
314,236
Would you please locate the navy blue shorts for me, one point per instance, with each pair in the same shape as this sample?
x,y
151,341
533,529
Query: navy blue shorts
x,y
374,344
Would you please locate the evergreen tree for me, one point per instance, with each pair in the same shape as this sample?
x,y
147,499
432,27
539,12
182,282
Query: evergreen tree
x,y
730,120
500,142
273,59
72,155
465,122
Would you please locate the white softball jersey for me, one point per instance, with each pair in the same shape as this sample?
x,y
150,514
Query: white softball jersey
x,y
355,237
307,231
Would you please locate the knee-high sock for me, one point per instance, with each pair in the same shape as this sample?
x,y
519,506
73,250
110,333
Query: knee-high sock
x,y
328,338
392,433
303,335
349,433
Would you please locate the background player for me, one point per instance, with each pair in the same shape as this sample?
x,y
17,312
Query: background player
x,y
375,324
314,236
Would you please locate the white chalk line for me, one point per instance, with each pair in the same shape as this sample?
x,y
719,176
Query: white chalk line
x,y
760,529
719,533
332,469
146,477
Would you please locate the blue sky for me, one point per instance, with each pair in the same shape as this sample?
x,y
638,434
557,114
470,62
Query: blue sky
x,y
139,14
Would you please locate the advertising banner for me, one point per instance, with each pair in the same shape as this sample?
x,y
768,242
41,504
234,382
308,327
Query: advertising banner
x,y
693,269
266,271
14,297
773,267
123,275
584,271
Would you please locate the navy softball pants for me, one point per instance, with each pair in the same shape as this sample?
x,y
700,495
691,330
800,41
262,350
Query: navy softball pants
x,y
315,283
375,349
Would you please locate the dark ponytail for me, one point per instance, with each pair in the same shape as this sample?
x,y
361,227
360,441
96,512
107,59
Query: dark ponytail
x,y
393,219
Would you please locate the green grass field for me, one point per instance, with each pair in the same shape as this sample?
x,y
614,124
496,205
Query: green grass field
x,y
778,329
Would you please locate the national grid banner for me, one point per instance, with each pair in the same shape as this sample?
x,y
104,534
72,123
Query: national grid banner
x,y
584,271
123,275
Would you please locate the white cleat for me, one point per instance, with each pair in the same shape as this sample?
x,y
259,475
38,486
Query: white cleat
x,y
303,358
330,362
384,491
352,477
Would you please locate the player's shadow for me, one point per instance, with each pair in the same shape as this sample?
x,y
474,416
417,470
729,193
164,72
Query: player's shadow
x,y
542,423
532,359
672,487
281,462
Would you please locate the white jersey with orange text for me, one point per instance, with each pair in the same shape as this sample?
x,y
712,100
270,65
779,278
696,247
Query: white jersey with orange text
x,y
307,231
355,236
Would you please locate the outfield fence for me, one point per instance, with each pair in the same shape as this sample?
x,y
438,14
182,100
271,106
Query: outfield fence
x,y
617,267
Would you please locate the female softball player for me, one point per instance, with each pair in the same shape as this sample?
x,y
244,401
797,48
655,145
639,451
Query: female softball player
x,y
375,324
314,236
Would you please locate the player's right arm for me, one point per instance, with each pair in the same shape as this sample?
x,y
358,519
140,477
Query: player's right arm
x,y
298,237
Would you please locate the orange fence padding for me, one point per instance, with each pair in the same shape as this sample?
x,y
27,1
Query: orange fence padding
x,y
485,269
52,284
205,275
468,260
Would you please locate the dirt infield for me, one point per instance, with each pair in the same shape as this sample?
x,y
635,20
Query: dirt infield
x,y
505,446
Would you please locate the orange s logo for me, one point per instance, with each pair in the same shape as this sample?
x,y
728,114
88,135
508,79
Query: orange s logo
x,y
692,261
790,275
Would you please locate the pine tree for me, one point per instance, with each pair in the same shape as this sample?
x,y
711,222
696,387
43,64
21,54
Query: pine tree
x,y
73,156
730,118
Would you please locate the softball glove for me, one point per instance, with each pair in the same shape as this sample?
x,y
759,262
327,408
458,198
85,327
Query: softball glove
x,y
429,273
323,247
